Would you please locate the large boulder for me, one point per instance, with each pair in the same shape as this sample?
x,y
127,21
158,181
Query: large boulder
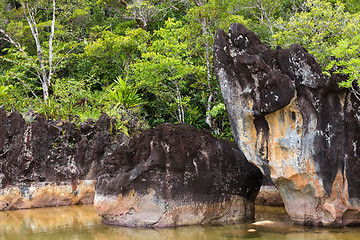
x,y
295,124
176,175
45,163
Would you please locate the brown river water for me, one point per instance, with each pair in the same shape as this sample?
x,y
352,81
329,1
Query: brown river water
x,y
81,222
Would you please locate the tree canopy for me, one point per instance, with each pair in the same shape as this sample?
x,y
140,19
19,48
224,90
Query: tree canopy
x,y
147,62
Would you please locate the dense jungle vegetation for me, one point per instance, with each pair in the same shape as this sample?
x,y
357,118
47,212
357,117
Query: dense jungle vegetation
x,y
147,62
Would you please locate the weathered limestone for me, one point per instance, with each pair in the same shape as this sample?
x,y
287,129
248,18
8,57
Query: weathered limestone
x,y
295,124
45,163
176,175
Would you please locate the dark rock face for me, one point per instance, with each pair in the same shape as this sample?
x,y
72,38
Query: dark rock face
x,y
47,163
295,124
176,175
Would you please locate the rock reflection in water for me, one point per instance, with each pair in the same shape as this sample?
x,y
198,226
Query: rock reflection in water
x,y
81,222
189,233
45,219
221,233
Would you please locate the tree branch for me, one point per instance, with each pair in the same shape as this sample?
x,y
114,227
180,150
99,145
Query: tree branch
x,y
12,41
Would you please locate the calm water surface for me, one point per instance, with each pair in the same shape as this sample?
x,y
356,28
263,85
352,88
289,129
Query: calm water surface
x,y
81,222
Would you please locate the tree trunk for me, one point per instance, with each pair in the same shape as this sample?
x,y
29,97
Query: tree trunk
x,y
181,114
30,17
51,45
45,77
208,71
209,119
45,88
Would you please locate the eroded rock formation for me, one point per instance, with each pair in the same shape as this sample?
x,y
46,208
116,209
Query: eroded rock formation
x,y
47,163
295,124
176,175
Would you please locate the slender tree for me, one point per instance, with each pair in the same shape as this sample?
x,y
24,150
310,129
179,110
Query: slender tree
x,y
44,74
44,64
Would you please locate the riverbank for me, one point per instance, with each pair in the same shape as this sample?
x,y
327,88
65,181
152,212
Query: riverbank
x,y
82,222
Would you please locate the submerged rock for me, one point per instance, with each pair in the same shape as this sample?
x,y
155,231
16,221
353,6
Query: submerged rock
x,y
176,175
295,124
46,163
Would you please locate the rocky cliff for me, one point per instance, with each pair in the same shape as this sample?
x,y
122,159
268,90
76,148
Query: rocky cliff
x,y
295,124
46,163
176,175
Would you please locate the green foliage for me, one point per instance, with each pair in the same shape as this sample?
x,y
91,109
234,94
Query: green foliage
x,y
351,6
71,99
218,14
318,29
203,22
110,55
128,121
347,54
123,95
151,14
4,91
166,68
263,14
149,62
328,32
218,110
123,103
17,94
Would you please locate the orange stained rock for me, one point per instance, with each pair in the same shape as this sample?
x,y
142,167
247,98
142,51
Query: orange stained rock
x,y
47,195
115,204
301,181
339,198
